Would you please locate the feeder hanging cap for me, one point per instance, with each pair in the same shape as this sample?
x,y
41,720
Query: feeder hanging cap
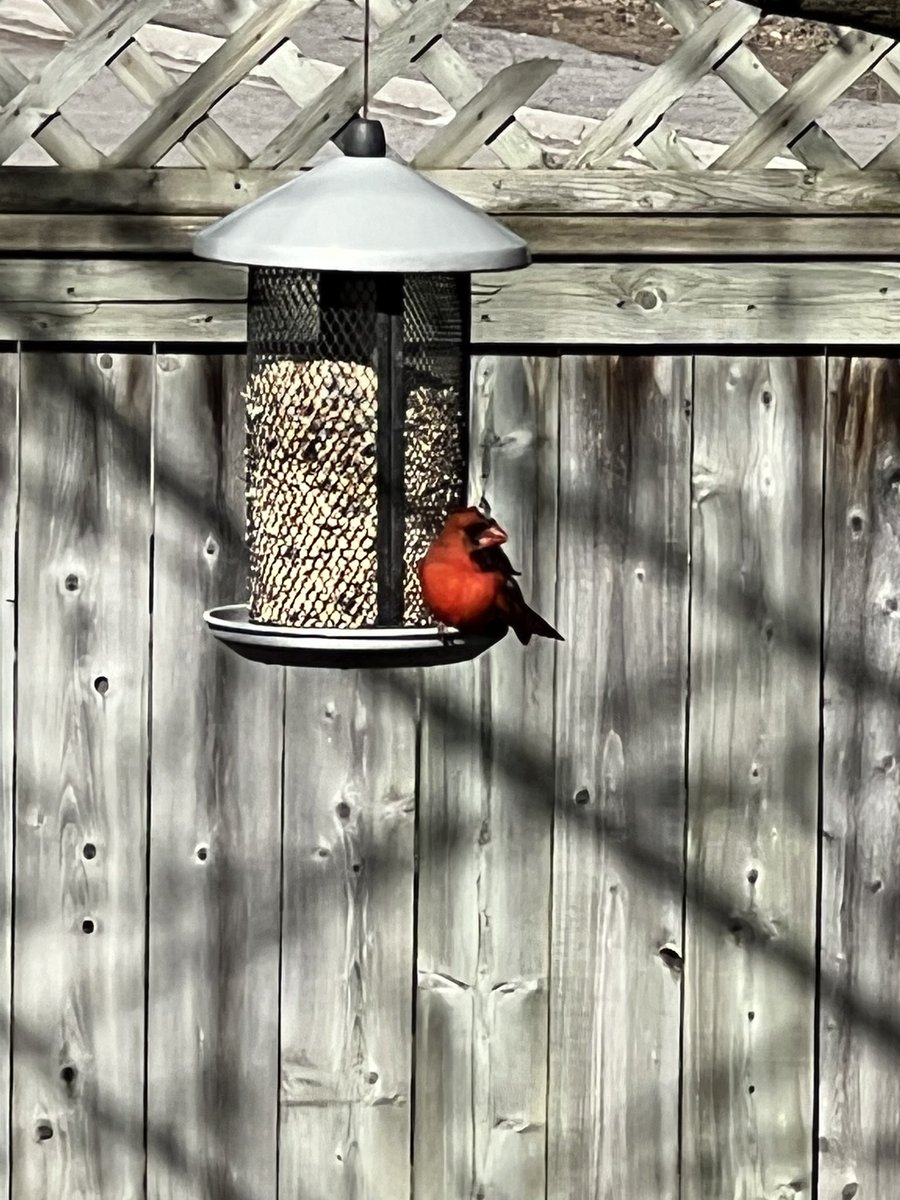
x,y
366,213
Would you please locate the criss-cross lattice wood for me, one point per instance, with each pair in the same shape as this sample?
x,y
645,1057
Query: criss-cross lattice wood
x,y
417,39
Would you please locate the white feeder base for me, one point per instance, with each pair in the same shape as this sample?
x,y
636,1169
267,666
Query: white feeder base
x,y
345,649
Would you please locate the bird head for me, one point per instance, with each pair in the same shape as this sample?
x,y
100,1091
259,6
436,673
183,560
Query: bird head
x,y
475,528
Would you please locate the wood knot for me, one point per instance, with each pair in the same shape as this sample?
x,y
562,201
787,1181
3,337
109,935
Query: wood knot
x,y
648,299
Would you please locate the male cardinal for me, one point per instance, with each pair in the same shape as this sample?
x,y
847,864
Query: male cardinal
x,y
467,580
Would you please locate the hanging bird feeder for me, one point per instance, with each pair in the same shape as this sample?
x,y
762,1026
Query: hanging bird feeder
x,y
358,330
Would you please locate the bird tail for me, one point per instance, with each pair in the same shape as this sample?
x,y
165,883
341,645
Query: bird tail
x,y
526,623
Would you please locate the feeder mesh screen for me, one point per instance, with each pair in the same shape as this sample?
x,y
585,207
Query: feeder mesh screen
x,y
311,439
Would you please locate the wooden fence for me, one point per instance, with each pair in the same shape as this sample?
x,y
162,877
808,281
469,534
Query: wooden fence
x,y
610,918
613,918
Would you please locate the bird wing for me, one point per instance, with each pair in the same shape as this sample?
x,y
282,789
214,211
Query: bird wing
x,y
492,558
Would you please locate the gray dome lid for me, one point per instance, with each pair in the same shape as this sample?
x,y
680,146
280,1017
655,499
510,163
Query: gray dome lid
x,y
363,214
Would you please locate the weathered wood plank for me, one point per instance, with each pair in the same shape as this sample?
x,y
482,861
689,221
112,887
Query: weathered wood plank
x,y
194,321
61,281
689,303
188,192
672,303
9,490
763,237
654,96
485,825
148,82
806,98
485,113
79,60
396,46
216,817
758,88
81,744
620,715
576,237
753,804
183,107
346,997
859,1094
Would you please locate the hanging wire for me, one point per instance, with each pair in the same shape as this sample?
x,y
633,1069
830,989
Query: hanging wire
x,y
366,41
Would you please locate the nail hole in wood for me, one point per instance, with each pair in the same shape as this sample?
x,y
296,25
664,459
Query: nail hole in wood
x,y
849,1190
767,398
752,875
90,850
67,1074
357,867
751,1016
373,1077
751,1089
106,361
44,1132
202,853
87,925
343,810
856,524
71,583
582,796
101,683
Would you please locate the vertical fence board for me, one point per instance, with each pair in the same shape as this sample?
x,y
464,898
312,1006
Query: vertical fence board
x,y
620,719
859,1119
484,837
81,775
753,797
347,937
215,816
9,489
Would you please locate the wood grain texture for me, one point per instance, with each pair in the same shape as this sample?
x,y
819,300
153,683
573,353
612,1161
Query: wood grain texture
x,y
62,281
688,304
58,137
629,304
640,111
485,113
9,492
186,105
579,237
446,69
96,321
81,739
758,88
189,192
753,802
215,863
859,1094
346,996
80,60
807,98
148,82
620,721
484,837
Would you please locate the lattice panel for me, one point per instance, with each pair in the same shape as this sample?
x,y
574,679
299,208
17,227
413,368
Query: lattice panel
x,y
181,116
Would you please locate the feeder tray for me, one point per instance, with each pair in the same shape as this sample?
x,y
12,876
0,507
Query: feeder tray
x,y
345,649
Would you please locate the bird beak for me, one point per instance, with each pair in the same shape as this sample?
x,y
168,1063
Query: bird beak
x,y
494,536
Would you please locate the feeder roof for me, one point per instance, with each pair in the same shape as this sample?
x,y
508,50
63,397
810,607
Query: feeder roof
x,y
363,214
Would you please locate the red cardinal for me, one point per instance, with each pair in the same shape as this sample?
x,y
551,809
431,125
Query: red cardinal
x,y
467,580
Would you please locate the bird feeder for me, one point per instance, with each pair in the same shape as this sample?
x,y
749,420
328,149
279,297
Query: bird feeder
x,y
358,331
